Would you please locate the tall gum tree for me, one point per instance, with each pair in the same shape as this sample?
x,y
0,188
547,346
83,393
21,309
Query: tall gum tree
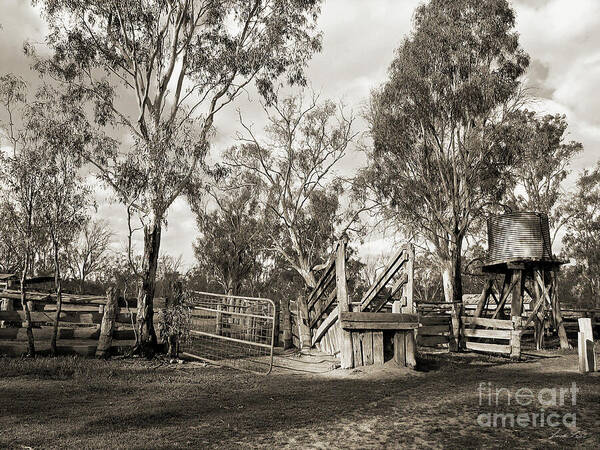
x,y
438,155
160,70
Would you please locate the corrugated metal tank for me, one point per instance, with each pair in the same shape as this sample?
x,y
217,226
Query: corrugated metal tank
x,y
519,235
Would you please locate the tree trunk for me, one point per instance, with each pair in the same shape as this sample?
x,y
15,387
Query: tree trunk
x,y
451,272
25,306
58,286
452,281
147,341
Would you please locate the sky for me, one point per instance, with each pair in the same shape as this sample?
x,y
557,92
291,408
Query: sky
x,y
562,38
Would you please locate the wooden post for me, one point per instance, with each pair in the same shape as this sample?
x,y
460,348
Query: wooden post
x,y
516,306
400,348
585,347
515,338
556,313
343,302
219,320
287,323
410,288
108,324
303,322
277,324
483,298
538,319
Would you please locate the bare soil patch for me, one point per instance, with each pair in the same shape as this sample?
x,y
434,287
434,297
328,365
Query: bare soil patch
x,y
86,403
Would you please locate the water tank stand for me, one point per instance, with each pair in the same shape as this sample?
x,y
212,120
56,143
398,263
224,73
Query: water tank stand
x,y
537,278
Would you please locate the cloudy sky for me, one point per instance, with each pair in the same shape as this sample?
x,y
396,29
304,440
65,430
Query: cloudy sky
x,y
562,38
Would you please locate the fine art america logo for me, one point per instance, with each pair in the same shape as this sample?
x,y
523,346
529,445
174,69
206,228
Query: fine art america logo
x,y
552,407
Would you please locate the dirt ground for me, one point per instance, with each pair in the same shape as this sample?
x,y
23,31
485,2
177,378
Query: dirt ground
x,y
85,403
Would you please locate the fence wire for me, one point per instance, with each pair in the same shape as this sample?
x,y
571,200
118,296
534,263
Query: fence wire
x,y
232,331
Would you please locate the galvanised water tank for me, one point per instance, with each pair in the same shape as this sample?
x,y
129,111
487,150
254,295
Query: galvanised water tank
x,y
519,235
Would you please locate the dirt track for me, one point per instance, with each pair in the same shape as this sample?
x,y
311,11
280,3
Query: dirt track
x,y
131,403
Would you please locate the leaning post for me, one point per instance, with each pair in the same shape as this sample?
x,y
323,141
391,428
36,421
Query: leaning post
x,y
108,324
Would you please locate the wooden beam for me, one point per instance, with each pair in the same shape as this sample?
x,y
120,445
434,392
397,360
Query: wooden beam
x,y
517,293
343,303
327,323
390,270
492,323
483,298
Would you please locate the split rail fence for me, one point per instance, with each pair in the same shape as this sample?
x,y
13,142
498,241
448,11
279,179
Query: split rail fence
x,y
79,325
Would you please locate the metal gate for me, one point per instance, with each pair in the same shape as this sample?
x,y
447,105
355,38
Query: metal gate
x,y
232,331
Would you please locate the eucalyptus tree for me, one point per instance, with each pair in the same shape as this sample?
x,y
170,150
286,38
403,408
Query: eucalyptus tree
x,y
22,182
582,238
293,169
159,71
231,239
62,134
88,254
439,125
544,164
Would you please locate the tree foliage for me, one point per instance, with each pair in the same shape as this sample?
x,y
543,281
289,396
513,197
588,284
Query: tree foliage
x,y
292,169
544,162
231,240
582,239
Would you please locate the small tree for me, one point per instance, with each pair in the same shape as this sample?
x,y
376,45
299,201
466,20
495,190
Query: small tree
x,y
23,182
88,254
231,240
62,133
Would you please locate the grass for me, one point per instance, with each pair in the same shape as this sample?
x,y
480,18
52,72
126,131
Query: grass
x,y
69,402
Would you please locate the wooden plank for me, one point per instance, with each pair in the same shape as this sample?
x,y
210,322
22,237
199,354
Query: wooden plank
x,y
69,307
432,341
320,307
65,347
490,334
367,348
490,348
357,349
350,325
493,323
378,352
400,348
425,321
434,329
45,333
378,317
324,327
322,284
